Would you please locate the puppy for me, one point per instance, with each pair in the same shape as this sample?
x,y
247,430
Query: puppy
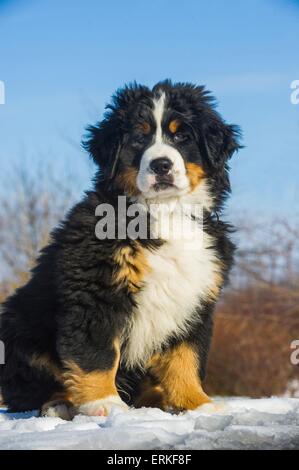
x,y
118,311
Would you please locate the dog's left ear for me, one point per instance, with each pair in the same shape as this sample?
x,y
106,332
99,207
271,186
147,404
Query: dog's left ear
x,y
103,142
219,141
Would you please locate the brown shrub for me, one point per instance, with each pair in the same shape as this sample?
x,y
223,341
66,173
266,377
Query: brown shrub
x,y
250,352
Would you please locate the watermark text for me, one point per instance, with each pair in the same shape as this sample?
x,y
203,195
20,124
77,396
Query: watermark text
x,y
295,354
295,93
168,221
2,353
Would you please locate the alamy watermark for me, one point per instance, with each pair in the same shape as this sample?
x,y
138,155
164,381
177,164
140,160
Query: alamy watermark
x,y
2,353
2,92
295,92
170,221
294,358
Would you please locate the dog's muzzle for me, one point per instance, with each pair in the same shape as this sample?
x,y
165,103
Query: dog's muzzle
x,y
161,167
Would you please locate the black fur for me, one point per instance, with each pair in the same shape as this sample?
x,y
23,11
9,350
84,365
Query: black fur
x,y
70,310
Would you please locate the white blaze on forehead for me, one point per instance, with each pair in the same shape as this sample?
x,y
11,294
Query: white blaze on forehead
x,y
159,107
160,148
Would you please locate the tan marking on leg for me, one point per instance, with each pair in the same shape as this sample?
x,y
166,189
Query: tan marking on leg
x,y
195,173
177,372
83,387
44,361
126,180
131,267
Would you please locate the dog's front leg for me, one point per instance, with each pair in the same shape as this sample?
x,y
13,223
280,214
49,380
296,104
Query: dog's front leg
x,y
88,387
89,350
92,390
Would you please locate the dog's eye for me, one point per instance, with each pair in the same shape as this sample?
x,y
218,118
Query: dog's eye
x,y
138,140
180,137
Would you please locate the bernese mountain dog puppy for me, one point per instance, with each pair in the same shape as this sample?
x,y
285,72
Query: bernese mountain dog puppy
x,y
127,320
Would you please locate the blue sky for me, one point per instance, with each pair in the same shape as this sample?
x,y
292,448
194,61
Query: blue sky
x,y
61,60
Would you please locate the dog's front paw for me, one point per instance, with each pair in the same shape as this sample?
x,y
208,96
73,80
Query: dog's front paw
x,y
102,407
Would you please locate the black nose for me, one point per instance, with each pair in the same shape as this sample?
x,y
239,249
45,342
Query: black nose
x,y
161,166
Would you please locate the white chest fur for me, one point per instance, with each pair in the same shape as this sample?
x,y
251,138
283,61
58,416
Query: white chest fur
x,y
182,272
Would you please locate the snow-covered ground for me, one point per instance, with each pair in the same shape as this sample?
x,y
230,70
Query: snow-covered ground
x,y
234,423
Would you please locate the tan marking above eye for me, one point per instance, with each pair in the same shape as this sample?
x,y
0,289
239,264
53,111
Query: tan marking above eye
x,y
145,127
174,125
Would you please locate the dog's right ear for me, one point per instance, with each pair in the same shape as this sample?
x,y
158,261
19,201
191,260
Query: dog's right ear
x,y
103,142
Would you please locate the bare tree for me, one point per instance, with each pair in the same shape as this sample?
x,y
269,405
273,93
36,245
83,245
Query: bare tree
x,y
30,206
269,250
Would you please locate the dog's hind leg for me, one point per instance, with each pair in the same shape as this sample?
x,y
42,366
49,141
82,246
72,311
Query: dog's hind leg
x,y
175,383
25,387
58,407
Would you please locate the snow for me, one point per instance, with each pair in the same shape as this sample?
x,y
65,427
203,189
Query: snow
x,y
231,423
